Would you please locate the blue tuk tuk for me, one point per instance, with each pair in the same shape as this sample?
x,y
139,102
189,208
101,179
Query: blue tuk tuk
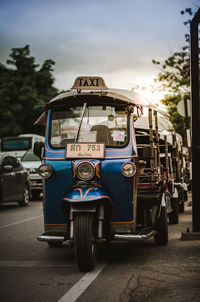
x,y
92,167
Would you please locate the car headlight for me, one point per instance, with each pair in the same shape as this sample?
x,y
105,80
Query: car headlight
x,y
129,169
45,170
33,170
85,170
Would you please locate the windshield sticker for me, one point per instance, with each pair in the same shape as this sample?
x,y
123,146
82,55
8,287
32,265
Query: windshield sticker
x,y
118,136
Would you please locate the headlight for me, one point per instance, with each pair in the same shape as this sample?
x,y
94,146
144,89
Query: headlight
x,y
45,170
85,170
128,169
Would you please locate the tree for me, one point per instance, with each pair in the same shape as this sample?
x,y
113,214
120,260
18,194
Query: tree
x,y
24,90
174,78
177,120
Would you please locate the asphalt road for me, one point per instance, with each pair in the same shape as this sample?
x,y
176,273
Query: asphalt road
x,y
128,271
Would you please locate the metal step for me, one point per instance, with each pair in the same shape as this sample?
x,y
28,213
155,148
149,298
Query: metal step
x,y
49,238
134,236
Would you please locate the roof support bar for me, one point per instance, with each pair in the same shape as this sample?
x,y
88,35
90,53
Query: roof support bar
x,y
151,143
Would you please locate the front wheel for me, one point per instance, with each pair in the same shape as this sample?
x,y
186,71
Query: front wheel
x,y
26,197
161,238
85,246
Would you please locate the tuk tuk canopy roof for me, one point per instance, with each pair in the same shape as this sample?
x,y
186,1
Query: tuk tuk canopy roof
x,y
127,96
95,86
165,127
163,123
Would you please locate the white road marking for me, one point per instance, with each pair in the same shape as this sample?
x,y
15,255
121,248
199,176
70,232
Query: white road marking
x,y
18,222
74,293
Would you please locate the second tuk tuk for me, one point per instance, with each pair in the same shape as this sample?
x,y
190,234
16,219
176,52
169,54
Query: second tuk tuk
x,y
91,169
170,160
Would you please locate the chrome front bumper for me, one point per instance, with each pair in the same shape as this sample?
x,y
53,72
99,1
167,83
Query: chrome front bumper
x,y
134,236
48,238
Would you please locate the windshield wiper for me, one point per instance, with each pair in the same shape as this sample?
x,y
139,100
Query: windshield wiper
x,y
81,121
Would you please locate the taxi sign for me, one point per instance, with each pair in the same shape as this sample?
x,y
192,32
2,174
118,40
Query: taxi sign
x,y
89,83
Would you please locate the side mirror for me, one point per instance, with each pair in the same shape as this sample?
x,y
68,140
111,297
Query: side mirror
x,y
7,168
146,152
37,149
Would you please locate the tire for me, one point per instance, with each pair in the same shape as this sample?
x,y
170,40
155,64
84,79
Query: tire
x,y
161,238
26,197
85,247
182,198
54,244
173,215
182,207
35,195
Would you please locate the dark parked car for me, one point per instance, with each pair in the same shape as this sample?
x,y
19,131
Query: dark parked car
x,y
14,181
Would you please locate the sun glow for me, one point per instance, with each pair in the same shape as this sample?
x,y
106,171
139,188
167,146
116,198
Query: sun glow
x,y
144,85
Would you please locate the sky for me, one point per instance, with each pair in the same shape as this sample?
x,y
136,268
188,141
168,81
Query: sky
x,y
115,39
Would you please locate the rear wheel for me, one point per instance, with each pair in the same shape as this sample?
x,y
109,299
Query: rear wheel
x,y
35,195
26,197
1,199
161,238
182,207
85,246
173,215
182,199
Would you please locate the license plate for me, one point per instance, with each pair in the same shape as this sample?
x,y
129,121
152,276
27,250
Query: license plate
x,y
85,150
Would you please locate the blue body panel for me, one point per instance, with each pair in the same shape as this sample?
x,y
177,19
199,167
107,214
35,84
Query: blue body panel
x,y
80,195
56,187
119,188
116,187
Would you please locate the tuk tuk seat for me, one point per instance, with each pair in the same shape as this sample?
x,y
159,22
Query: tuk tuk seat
x,y
140,155
103,134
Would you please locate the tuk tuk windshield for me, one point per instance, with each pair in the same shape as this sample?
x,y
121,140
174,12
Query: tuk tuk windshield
x,y
102,124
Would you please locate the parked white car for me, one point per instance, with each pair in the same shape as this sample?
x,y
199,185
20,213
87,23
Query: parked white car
x,y
18,145
31,162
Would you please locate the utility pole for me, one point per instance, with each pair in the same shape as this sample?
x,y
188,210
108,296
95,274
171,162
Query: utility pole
x,y
195,97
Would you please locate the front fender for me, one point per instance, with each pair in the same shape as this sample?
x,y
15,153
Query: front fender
x,y
86,195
